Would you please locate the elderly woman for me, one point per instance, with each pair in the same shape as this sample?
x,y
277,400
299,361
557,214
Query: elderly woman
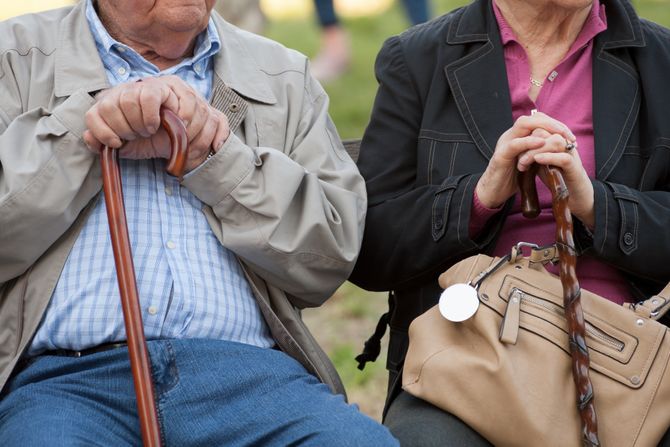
x,y
466,100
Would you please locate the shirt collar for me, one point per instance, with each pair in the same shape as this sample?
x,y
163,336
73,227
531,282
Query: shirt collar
x,y
595,23
207,45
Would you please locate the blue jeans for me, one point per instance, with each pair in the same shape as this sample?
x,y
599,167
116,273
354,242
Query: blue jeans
x,y
417,11
208,393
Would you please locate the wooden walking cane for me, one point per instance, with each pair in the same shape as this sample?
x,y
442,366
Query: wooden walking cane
x,y
132,313
574,315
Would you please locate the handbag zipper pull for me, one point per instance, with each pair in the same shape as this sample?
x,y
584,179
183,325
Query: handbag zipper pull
x,y
509,327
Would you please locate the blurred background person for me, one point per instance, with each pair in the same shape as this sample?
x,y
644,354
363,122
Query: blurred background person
x,y
246,14
334,56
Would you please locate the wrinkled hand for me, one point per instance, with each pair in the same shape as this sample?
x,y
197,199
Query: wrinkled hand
x,y
580,188
127,117
498,183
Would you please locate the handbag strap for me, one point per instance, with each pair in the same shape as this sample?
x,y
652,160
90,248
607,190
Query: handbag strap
x,y
571,292
655,307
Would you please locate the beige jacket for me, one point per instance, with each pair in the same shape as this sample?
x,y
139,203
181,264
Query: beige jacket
x,y
282,193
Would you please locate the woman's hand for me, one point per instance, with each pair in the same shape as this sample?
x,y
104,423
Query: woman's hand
x,y
580,188
498,183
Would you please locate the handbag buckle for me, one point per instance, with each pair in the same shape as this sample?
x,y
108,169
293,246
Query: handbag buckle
x,y
517,250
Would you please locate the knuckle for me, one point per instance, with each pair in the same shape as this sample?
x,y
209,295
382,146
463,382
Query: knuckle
x,y
126,100
522,121
89,117
203,108
152,121
556,141
106,106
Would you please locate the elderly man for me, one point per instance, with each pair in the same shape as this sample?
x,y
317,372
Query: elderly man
x,y
267,220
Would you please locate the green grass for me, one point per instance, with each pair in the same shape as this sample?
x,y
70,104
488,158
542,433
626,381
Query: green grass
x,y
351,95
655,10
347,319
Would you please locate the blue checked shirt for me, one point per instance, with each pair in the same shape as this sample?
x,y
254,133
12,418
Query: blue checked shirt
x,y
190,286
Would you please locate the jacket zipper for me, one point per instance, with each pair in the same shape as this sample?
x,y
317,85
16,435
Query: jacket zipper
x,y
513,311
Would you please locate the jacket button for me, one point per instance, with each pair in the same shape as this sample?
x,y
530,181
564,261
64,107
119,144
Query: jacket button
x,y
234,107
628,238
438,223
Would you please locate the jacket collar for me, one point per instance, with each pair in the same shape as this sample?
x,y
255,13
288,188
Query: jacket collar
x,y
236,67
478,80
78,65
473,24
623,26
476,23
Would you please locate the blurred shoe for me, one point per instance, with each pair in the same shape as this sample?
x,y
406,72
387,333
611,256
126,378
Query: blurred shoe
x,y
334,58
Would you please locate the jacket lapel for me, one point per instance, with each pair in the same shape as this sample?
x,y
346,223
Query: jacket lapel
x,y
78,66
478,81
614,115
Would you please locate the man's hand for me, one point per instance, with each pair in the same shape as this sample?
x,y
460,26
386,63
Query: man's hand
x,y
127,117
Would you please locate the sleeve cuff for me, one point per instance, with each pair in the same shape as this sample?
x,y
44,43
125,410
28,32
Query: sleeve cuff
x,y
218,176
479,215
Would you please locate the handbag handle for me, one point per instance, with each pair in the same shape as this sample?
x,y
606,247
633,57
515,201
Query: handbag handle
x,y
571,291
125,271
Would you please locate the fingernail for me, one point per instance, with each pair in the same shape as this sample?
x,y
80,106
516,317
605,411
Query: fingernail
x,y
152,129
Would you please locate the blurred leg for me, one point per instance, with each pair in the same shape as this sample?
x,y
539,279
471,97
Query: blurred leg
x,y
415,422
417,10
325,12
333,58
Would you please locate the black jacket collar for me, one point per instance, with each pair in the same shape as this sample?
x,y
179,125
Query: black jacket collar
x,y
476,23
478,80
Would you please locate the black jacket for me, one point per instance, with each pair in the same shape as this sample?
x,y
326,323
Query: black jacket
x,y
443,102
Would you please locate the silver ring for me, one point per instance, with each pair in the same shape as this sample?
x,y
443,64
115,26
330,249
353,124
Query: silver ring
x,y
569,146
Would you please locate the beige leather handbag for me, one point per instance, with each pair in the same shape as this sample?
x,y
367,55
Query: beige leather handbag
x,y
506,371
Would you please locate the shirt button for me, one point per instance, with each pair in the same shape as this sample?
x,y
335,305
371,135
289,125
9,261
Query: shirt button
x,y
121,49
168,190
152,310
628,238
121,71
171,245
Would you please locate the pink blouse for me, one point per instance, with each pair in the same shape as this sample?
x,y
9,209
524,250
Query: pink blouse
x,y
567,96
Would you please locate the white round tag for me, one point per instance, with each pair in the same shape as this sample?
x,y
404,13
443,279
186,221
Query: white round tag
x,y
458,302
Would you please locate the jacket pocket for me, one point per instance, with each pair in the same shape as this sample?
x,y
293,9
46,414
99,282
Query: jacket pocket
x,y
441,203
442,155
